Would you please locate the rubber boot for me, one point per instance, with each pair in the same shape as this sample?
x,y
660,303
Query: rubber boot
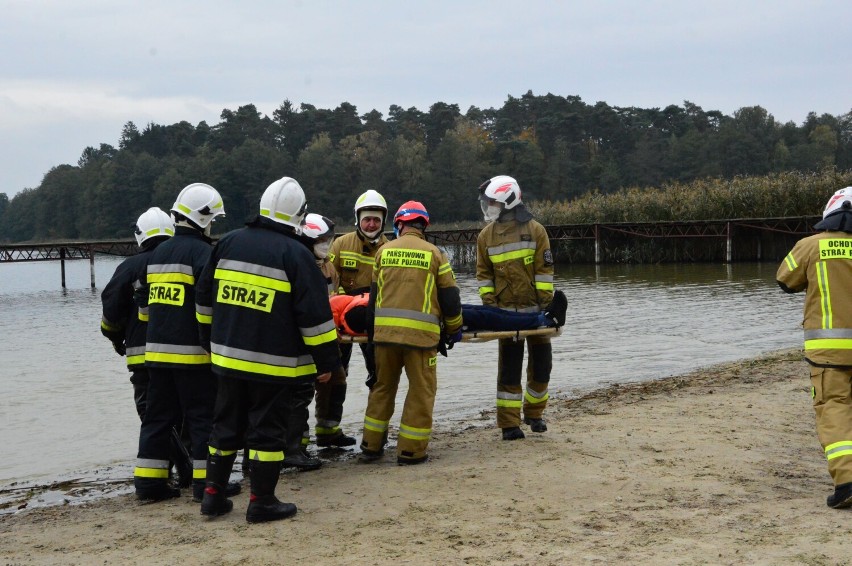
x,y
215,501
263,505
180,458
297,423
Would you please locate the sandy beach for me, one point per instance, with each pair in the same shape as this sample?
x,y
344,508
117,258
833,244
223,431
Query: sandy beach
x,y
720,466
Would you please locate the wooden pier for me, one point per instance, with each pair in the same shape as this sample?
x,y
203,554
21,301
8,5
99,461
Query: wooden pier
x,y
464,241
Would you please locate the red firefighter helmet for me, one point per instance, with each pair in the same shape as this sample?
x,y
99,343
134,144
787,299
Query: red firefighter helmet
x,y
411,211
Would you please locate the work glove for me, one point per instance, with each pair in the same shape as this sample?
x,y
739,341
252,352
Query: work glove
x,y
451,339
119,347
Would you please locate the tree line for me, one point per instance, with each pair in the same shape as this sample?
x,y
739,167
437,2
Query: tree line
x,y
558,147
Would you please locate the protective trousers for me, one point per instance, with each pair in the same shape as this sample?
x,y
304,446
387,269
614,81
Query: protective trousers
x,y
329,405
172,393
415,426
832,397
510,395
250,414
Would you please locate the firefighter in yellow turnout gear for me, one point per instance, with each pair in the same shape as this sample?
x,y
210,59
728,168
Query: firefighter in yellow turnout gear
x,y
353,257
514,269
412,293
821,265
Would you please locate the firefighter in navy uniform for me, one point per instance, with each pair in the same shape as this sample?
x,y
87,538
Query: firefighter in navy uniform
x,y
121,324
353,256
318,233
180,381
514,269
263,305
821,265
413,294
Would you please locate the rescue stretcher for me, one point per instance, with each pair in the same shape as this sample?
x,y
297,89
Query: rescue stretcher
x,y
475,336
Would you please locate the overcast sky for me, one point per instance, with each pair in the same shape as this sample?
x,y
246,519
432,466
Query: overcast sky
x,y
72,73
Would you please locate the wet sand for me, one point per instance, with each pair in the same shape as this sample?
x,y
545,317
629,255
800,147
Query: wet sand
x,y
720,466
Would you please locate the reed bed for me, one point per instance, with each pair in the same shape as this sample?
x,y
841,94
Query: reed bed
x,y
790,193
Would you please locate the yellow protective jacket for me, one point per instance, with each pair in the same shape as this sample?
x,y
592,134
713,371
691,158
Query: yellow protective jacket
x,y
821,265
514,266
413,291
354,258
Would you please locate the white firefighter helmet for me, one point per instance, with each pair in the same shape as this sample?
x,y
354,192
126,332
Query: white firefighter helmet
x,y
503,189
151,223
840,200
200,204
317,227
371,201
284,202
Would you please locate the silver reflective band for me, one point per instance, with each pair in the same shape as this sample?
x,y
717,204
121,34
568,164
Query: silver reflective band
x,y
253,268
403,313
510,396
318,330
828,333
170,268
497,250
174,349
259,357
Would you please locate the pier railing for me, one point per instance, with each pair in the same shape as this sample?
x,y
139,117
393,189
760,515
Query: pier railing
x,y
462,242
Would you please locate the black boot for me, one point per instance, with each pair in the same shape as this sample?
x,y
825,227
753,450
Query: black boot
x,y
339,441
297,424
513,433
536,425
841,498
214,499
263,505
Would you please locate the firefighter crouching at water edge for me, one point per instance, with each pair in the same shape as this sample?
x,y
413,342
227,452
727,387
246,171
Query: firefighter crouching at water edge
x,y
413,290
179,368
514,269
121,324
318,233
264,306
353,256
821,265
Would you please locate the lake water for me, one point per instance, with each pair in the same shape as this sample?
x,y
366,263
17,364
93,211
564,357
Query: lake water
x,y
66,404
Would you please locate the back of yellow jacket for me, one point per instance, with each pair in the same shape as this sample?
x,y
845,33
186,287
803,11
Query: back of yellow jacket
x,y
414,290
821,265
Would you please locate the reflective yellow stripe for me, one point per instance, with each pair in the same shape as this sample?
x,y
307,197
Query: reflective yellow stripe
x,y
407,323
151,473
445,268
824,293
454,321
220,452
535,400
262,456
838,449
330,336
250,279
106,326
173,277
203,318
484,290
510,403
791,262
829,344
199,474
544,286
506,256
137,359
375,425
261,368
186,359
413,433
427,293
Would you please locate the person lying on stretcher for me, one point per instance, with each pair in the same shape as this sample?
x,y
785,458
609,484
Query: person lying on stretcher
x,y
350,315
